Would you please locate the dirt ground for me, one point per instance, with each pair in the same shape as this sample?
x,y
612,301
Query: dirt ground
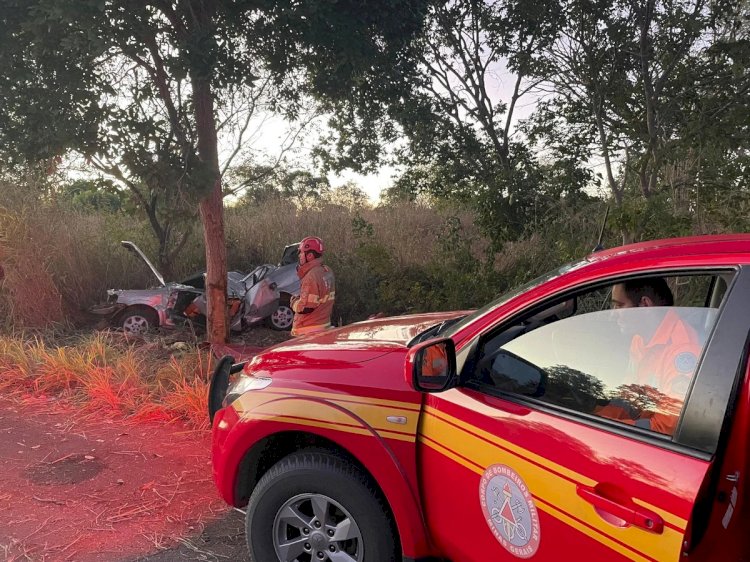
x,y
91,489
87,487
224,539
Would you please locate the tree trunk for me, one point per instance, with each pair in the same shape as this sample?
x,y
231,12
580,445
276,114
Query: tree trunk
x,y
212,214
166,267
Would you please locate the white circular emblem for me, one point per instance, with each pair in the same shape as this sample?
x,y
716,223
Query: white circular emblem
x,y
509,510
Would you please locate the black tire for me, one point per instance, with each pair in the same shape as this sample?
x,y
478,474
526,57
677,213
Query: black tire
x,y
138,320
320,474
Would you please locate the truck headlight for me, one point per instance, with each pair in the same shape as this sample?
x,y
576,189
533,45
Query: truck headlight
x,y
245,384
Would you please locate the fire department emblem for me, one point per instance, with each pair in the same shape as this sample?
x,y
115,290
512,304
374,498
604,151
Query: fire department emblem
x,y
509,510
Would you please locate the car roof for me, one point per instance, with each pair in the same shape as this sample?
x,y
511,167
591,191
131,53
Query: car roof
x,y
687,246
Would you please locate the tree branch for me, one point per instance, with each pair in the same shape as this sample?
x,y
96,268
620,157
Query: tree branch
x,y
166,8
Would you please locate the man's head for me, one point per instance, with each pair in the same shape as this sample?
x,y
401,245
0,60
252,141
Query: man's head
x,y
651,291
309,249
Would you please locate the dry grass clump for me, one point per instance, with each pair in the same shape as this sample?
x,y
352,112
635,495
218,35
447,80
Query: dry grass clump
x,y
106,372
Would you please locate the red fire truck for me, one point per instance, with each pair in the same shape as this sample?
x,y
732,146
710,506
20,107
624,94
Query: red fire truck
x,y
600,412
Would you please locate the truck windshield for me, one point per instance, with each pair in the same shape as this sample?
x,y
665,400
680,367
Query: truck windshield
x,y
466,320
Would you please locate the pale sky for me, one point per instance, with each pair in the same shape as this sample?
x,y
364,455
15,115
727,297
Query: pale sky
x,y
269,138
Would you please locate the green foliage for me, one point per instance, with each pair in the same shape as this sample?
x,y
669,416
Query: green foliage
x,y
51,92
354,60
93,196
258,184
656,90
460,279
451,277
359,273
361,228
651,218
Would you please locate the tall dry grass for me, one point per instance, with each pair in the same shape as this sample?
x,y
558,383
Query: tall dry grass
x,y
409,230
59,262
32,297
106,373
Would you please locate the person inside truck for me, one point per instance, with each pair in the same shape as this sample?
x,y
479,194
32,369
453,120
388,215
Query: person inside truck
x,y
662,358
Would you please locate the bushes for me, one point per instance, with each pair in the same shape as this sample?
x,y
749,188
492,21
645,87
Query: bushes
x,y
401,258
385,258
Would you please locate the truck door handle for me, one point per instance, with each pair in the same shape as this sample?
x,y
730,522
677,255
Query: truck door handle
x,y
632,515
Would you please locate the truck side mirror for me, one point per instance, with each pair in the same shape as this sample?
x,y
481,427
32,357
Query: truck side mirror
x,y
431,365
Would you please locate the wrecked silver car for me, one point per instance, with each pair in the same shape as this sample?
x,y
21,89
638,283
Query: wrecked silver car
x,y
261,295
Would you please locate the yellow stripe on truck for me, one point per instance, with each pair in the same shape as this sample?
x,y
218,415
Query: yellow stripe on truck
x,y
669,517
344,398
325,414
551,489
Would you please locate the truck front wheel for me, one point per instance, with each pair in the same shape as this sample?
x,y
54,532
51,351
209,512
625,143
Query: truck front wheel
x,y
314,506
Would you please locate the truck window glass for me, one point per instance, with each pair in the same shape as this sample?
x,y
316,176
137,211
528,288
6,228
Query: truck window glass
x,y
630,365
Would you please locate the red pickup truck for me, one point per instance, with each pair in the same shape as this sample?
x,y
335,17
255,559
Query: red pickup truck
x,y
600,412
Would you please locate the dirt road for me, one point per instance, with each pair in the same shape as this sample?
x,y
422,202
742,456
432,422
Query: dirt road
x,y
85,488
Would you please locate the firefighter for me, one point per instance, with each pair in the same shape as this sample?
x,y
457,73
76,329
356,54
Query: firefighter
x,y
314,306
662,358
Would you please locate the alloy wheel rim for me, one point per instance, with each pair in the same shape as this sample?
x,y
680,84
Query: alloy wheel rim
x,y
282,317
135,325
315,527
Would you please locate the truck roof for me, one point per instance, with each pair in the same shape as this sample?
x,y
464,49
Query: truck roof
x,y
686,246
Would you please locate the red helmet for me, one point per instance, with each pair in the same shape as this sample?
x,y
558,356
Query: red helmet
x,y
311,244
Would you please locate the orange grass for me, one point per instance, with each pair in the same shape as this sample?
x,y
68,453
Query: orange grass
x,y
105,373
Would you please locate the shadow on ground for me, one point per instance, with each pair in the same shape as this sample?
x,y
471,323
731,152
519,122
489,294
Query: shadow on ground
x,y
221,540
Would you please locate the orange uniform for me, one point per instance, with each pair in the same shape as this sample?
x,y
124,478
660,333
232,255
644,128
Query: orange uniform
x,y
313,308
661,371
434,362
667,362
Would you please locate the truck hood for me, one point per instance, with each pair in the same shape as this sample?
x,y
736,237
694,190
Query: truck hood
x,y
394,330
346,346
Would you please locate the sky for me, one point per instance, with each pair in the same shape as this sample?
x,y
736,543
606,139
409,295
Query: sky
x,y
268,138
372,184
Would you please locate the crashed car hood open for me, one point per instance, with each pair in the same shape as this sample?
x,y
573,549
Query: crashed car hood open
x,y
131,247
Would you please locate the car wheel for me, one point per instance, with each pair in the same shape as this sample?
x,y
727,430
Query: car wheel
x,y
282,318
138,321
314,506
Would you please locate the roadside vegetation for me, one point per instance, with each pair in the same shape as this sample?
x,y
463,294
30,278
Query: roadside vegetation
x,y
398,257
60,258
104,372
